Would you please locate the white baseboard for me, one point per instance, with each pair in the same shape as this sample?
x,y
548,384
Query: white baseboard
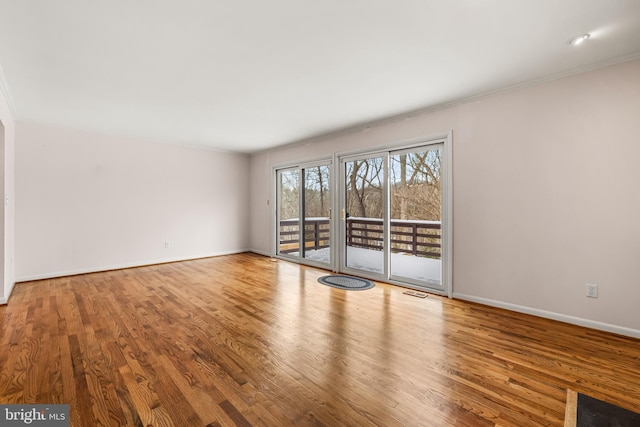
x,y
4,300
621,330
259,252
53,275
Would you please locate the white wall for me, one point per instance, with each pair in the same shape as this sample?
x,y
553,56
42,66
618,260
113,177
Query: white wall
x,y
7,190
88,202
545,194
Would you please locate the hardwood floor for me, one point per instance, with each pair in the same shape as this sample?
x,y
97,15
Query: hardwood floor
x,y
243,340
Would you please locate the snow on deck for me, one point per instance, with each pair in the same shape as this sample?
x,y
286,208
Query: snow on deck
x,y
405,265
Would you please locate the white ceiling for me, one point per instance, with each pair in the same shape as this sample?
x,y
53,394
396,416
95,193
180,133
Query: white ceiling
x,y
247,75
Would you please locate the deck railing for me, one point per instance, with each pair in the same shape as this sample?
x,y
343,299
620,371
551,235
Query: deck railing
x,y
413,237
316,234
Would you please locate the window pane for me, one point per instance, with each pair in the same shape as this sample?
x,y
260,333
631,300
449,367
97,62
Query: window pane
x,y
317,207
416,218
288,212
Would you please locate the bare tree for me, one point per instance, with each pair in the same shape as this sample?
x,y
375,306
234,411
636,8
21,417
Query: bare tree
x,y
364,187
415,185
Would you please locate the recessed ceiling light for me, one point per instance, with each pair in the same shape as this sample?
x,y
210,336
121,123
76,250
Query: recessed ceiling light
x,y
578,40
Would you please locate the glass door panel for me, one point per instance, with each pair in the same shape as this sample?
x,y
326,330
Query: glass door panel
x,y
288,213
363,214
303,213
317,213
416,215
392,207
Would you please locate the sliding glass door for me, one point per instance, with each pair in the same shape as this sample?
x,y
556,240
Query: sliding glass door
x,y
288,196
304,213
391,216
317,214
416,216
394,217
363,214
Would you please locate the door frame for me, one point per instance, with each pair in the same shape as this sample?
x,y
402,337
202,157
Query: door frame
x,y
446,171
446,138
300,166
404,279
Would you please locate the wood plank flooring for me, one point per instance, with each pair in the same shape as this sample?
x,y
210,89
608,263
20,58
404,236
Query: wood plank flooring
x,y
243,340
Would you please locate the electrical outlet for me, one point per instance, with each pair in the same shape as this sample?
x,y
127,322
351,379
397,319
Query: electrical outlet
x,y
592,290
166,244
